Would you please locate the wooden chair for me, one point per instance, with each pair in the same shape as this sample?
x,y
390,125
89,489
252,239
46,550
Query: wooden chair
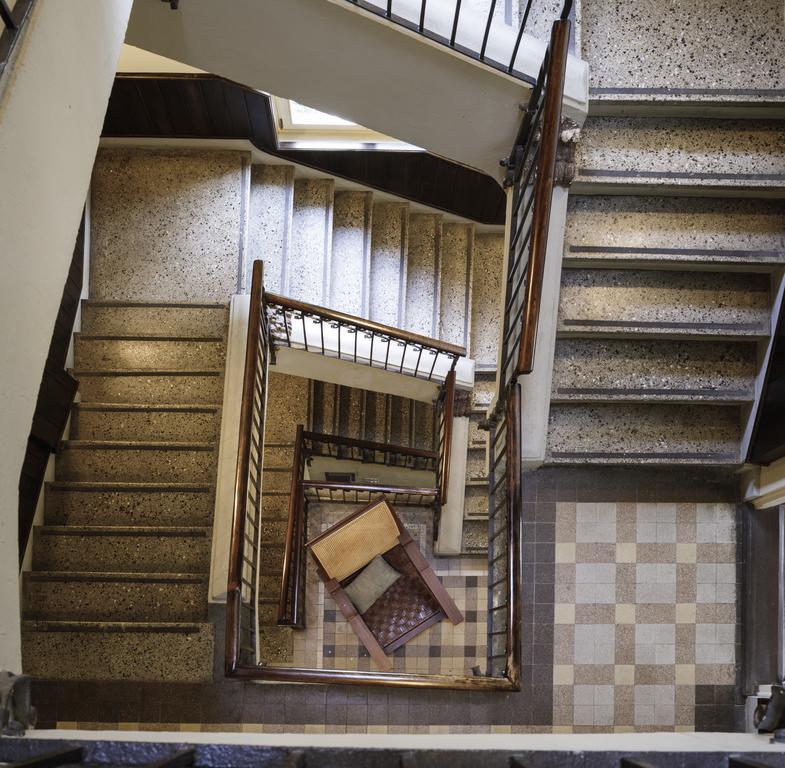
x,y
415,602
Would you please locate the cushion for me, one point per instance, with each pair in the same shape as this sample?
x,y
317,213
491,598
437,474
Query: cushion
x,y
371,583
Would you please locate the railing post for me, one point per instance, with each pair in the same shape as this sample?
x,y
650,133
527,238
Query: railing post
x,y
543,193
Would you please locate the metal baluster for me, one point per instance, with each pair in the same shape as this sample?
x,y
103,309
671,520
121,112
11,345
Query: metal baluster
x,y
5,15
455,23
422,16
389,9
487,30
519,36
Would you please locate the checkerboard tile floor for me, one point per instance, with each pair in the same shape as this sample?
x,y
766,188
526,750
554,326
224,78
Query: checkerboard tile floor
x,y
645,610
328,642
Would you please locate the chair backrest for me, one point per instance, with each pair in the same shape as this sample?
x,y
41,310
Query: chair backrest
x,y
352,543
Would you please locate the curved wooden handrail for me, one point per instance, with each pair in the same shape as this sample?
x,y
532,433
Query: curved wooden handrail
x,y
447,407
399,334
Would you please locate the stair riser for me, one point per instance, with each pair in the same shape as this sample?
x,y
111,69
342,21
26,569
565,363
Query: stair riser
x,y
702,153
351,249
151,389
455,283
115,601
644,434
155,657
273,532
289,394
595,369
195,426
271,559
476,465
132,465
664,302
388,263
111,354
422,274
476,502
487,279
275,507
137,554
276,481
276,644
127,508
154,321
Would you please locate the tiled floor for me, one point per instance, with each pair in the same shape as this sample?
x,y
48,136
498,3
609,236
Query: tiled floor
x,y
645,611
628,605
328,642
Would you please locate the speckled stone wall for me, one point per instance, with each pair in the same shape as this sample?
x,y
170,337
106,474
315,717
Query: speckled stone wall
x,y
167,225
655,50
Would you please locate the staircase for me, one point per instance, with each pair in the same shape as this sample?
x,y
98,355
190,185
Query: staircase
x,y
672,267
119,583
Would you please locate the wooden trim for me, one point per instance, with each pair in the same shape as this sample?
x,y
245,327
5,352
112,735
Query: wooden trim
x,y
543,193
234,581
367,325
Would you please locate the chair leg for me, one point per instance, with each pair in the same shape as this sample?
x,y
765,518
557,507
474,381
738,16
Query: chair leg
x,y
431,579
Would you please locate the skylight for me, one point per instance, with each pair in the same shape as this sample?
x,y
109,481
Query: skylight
x,y
302,115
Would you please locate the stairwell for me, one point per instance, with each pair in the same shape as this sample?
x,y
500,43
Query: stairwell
x,y
118,587
673,263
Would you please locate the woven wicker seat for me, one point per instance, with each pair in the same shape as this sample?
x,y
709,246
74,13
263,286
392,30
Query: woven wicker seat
x,y
416,601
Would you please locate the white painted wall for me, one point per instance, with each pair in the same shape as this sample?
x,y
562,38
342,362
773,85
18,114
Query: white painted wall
x,y
51,112
335,58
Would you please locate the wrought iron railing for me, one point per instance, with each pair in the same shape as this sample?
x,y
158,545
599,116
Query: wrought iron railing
x,y
492,36
297,325
12,22
504,539
530,172
242,626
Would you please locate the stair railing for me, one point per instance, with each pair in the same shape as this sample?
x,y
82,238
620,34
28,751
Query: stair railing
x,y
531,168
12,22
291,603
530,172
298,325
470,33
242,621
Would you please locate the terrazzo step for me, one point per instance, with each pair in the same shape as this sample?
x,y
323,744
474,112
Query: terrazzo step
x,y
287,406
644,302
644,434
276,479
475,502
613,231
389,244
270,222
476,466
276,644
351,248
119,318
275,505
107,353
273,531
474,539
159,386
307,275
102,503
610,370
423,256
143,651
455,283
89,596
126,549
655,152
375,414
485,299
167,462
271,558
484,391
129,421
478,437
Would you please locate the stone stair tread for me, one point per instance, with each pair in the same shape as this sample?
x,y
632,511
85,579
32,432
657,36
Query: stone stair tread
x,y
162,304
112,485
696,259
196,531
142,576
642,395
95,405
59,625
138,444
144,337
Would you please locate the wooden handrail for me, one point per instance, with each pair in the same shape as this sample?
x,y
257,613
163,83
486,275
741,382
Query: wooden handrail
x,y
380,329
239,513
365,488
543,193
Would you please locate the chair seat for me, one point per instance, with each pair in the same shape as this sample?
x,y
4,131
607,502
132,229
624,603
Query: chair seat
x,y
406,606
